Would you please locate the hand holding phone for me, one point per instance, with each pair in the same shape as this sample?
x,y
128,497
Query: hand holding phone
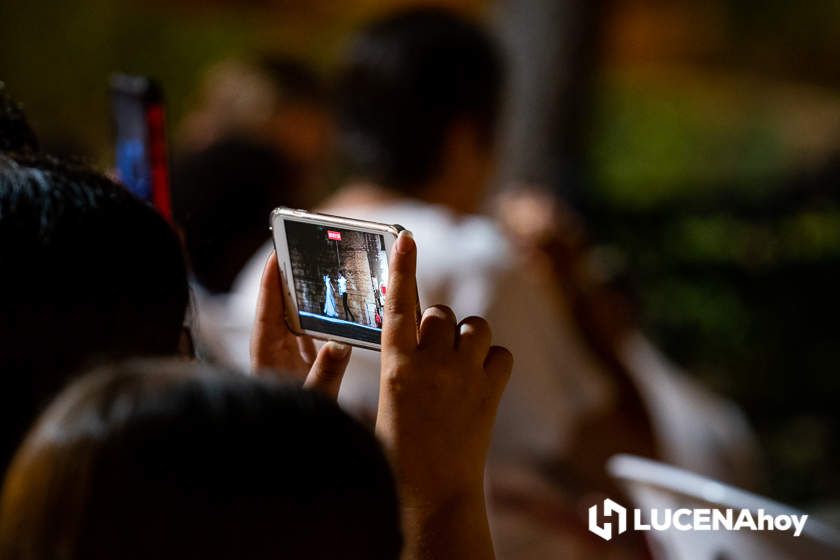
x,y
440,386
439,389
335,274
274,348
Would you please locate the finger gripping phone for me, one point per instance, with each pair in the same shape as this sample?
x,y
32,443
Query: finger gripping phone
x,y
335,274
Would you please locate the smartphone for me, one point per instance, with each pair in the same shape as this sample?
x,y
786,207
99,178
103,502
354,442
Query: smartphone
x,y
142,161
335,274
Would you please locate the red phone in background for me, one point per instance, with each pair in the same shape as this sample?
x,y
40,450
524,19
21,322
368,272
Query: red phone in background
x,y
142,160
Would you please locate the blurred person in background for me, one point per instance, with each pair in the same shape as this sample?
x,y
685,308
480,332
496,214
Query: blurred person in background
x,y
90,274
418,101
16,135
693,427
221,197
259,137
277,101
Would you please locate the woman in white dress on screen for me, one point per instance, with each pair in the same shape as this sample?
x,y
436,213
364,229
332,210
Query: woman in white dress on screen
x,y
329,300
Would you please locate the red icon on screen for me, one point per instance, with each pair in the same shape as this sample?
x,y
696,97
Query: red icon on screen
x,y
333,235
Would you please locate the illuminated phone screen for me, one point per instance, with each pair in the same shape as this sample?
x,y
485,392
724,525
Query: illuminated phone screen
x,y
134,167
141,153
339,278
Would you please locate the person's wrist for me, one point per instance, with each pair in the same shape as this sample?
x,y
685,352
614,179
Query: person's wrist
x,y
456,523
423,503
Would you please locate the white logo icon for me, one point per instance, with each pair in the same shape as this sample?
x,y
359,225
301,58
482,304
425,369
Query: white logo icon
x,y
610,508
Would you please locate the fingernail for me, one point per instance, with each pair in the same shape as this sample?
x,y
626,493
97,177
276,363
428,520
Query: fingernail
x,y
405,242
339,350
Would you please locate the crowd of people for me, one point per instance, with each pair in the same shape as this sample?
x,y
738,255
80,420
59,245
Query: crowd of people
x,y
158,406
174,458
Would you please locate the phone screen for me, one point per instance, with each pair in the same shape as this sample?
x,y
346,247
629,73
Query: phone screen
x,y
141,154
339,279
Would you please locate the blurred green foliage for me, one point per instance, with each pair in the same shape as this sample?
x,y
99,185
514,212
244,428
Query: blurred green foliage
x,y
659,143
733,251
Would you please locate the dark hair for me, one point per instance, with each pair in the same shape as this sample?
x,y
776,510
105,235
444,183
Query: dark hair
x,y
15,133
294,79
176,460
89,273
222,196
405,81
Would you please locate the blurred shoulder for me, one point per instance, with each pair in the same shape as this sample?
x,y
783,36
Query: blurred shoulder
x,y
447,241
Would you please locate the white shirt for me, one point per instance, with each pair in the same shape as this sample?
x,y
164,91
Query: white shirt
x,y
342,285
468,265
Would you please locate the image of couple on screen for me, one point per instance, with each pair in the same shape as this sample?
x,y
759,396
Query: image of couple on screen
x,y
330,309
340,284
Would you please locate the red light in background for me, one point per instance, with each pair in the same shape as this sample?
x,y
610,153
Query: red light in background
x,y
161,197
333,235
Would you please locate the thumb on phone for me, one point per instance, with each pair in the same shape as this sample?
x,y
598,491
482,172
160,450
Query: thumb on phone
x,y
328,370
